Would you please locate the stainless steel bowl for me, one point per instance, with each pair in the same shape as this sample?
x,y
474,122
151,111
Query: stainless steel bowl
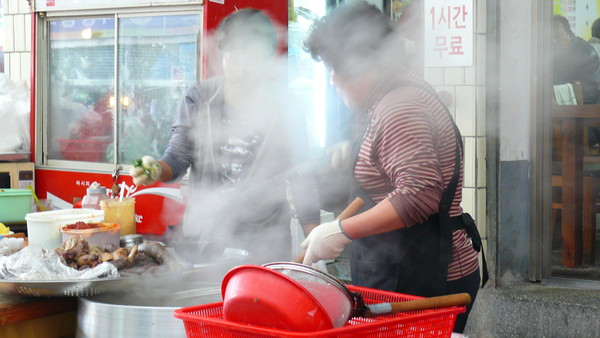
x,y
131,240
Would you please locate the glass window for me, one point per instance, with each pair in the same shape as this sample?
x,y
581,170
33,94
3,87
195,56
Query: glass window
x,y
156,61
80,94
575,252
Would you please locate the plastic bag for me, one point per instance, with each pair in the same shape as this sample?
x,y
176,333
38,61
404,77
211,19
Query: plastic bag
x,y
9,246
36,263
14,114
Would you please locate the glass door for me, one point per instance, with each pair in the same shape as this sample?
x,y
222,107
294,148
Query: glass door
x,y
575,252
113,84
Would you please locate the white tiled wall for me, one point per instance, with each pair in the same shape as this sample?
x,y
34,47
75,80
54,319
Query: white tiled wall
x,y
467,87
17,39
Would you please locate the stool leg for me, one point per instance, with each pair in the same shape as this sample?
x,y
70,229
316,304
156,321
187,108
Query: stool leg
x,y
589,219
556,236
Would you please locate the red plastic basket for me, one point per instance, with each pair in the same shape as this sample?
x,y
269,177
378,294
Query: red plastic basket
x,y
207,321
83,150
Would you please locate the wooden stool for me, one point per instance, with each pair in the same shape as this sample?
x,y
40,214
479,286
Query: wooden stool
x,y
590,182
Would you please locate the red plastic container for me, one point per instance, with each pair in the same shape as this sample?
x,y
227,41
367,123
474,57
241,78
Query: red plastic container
x,y
83,150
287,305
207,321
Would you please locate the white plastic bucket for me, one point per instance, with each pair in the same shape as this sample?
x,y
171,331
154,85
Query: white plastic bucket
x,y
43,228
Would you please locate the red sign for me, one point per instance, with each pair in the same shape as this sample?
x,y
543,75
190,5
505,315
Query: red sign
x,y
153,213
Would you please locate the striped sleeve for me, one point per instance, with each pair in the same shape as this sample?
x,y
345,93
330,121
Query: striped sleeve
x,y
405,149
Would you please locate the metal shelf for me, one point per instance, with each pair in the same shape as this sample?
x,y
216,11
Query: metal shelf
x,y
14,157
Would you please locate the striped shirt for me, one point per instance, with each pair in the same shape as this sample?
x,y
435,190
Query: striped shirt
x,y
407,156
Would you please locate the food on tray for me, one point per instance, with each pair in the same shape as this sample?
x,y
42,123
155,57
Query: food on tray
x,y
161,254
148,257
82,225
78,254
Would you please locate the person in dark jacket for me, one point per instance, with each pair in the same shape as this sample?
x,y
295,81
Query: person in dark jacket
x,y
241,142
575,60
595,39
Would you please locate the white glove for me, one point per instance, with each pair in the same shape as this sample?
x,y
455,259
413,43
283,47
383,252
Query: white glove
x,y
145,171
326,241
339,155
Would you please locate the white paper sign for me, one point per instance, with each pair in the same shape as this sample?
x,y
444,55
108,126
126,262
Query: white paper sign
x,y
448,33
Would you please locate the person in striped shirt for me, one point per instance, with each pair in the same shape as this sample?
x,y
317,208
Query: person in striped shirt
x,y
413,236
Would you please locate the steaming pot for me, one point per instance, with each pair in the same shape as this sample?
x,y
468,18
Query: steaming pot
x,y
139,315
148,311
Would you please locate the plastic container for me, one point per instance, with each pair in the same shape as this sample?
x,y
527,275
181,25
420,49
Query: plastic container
x,y
121,212
207,321
43,228
106,233
93,197
15,204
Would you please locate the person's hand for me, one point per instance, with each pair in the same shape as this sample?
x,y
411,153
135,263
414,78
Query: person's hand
x,y
339,155
326,241
145,171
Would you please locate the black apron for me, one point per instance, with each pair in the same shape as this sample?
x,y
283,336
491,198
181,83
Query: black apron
x,y
412,260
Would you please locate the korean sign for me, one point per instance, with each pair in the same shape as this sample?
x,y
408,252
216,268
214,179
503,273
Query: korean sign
x,y
448,33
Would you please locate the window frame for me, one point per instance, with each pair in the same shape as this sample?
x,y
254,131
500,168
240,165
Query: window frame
x,y
42,57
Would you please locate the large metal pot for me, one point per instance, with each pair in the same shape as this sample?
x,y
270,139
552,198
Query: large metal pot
x,y
148,310
137,316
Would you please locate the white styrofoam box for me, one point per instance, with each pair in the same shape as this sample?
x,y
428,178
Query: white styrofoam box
x,y
43,228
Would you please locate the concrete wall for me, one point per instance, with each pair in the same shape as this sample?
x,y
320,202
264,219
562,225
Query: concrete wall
x,y
514,110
